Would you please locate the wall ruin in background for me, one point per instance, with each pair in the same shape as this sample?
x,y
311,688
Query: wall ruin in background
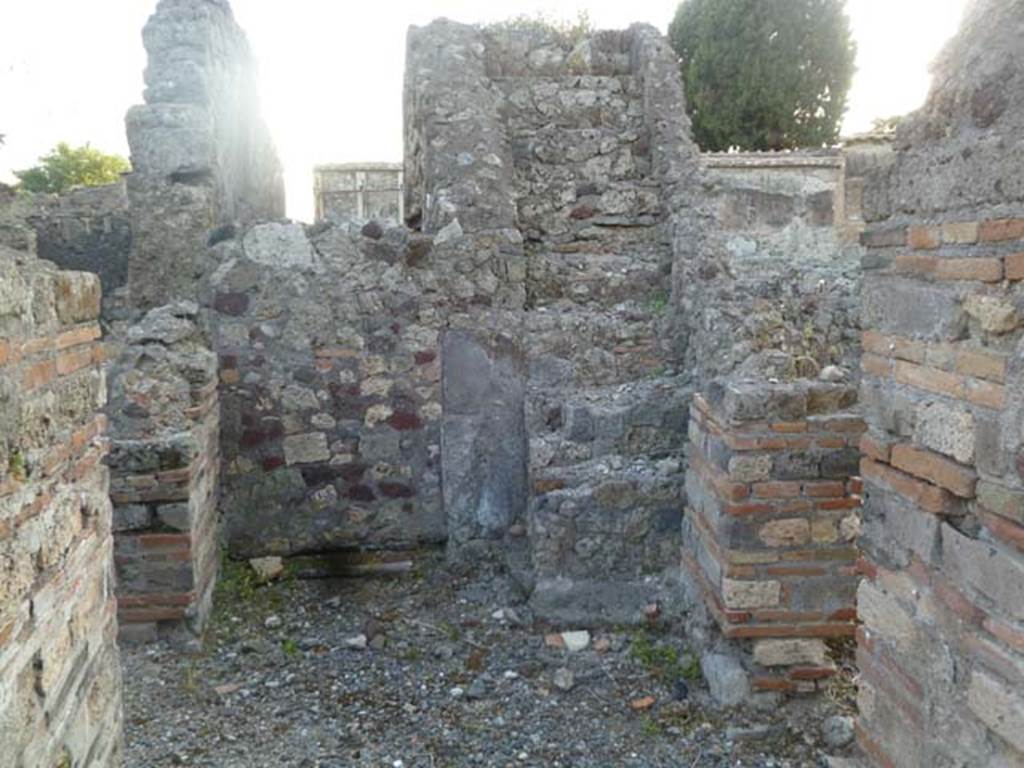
x,y
201,154
87,229
358,192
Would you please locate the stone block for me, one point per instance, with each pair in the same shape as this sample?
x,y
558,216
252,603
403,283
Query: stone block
x,y
994,314
789,532
306,448
893,528
960,232
168,139
884,617
985,568
999,705
132,517
947,430
77,297
750,468
907,308
278,244
750,594
1006,502
177,516
727,680
790,652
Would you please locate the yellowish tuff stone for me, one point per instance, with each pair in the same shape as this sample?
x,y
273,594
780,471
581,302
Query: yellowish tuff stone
x,y
750,594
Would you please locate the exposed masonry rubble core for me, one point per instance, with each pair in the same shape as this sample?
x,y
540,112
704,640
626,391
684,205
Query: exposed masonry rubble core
x,y
507,346
941,647
165,465
625,374
60,678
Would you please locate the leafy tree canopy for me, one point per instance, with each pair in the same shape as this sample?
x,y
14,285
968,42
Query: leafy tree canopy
x,y
66,166
764,74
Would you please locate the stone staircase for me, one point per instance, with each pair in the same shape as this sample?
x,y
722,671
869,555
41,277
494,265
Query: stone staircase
x,y
605,424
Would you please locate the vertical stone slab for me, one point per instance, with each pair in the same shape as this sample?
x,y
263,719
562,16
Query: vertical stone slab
x,y
941,649
60,678
201,154
483,439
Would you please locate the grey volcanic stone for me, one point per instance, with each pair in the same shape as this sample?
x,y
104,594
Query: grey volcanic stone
x,y
483,435
726,678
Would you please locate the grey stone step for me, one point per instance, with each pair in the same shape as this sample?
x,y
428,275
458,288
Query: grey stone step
x,y
602,279
614,517
644,418
571,346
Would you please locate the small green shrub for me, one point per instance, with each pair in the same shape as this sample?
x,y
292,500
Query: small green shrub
x,y
569,32
662,661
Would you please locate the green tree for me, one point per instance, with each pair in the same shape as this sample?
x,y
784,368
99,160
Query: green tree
x,y
764,74
66,166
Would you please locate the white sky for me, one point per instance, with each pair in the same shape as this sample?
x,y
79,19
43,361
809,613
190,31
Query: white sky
x,y
331,70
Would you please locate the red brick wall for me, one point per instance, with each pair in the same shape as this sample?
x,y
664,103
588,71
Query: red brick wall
x,y
60,695
941,649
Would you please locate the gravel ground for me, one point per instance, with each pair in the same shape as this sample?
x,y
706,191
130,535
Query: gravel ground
x,y
454,673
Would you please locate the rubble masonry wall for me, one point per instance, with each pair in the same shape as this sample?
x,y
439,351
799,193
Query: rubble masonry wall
x,y
201,154
165,471
941,647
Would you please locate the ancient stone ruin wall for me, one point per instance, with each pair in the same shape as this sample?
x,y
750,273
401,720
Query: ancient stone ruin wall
x,y
329,353
510,343
775,289
15,231
941,649
772,515
764,322
201,154
165,469
458,172
786,205
87,229
60,688
567,145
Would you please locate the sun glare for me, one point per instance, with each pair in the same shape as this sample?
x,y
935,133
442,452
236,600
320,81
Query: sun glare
x,y
331,73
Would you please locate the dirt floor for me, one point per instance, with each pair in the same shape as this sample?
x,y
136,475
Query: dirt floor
x,y
426,670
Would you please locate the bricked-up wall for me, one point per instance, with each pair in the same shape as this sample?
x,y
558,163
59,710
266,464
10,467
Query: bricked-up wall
x,y
165,468
941,650
773,511
60,695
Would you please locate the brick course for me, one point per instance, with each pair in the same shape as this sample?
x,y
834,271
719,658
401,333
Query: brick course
x,y
764,544
940,651
165,462
59,666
